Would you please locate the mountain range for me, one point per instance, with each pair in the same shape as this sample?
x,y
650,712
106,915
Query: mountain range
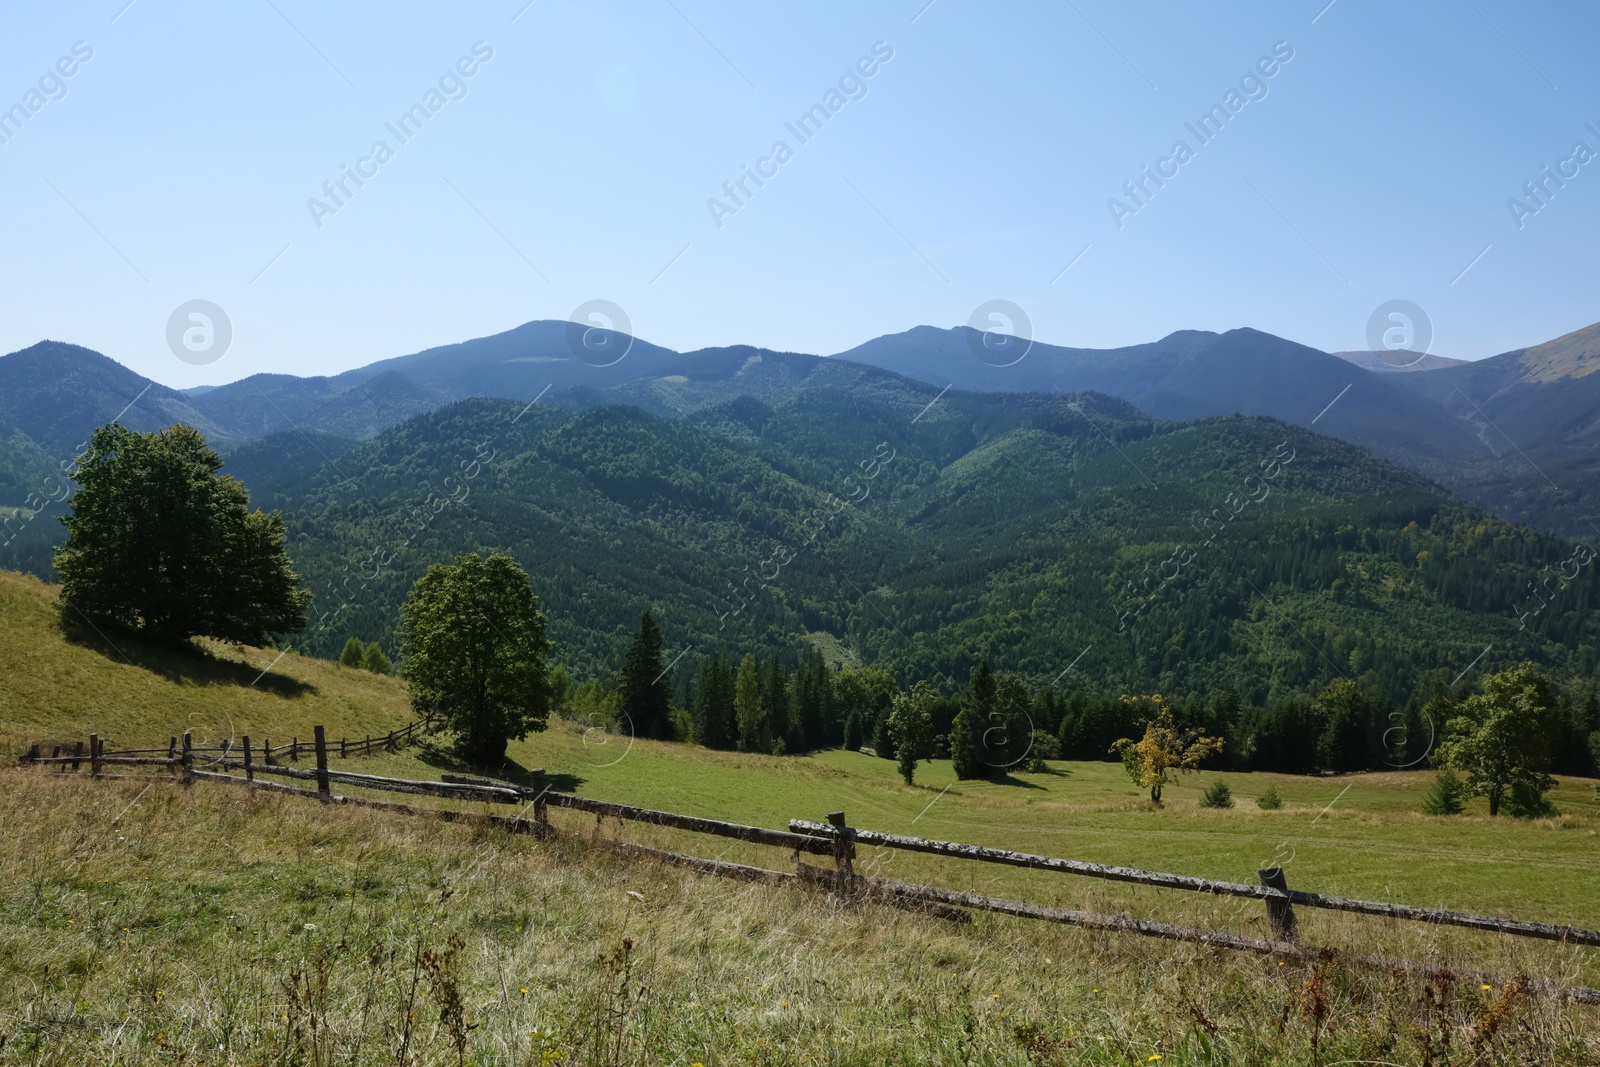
x,y
1515,433
1107,515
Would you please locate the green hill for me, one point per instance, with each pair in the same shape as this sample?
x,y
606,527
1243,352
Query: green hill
x,y
59,688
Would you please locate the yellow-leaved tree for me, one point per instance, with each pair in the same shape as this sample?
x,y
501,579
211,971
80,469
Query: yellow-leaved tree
x,y
1166,747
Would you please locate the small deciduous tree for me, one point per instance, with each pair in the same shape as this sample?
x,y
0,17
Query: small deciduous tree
x,y
560,689
911,722
373,659
1167,747
1500,739
1046,746
472,641
353,654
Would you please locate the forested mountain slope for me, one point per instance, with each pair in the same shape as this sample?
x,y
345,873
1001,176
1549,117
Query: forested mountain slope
x,y
1040,532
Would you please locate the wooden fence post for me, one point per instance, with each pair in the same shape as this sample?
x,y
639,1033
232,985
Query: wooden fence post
x,y
187,757
294,748
77,753
1280,913
249,768
32,755
94,755
322,762
227,746
541,812
266,751
343,752
843,853
172,748
55,753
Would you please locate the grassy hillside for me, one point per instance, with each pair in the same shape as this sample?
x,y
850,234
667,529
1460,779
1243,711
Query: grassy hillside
x,y
210,925
213,926
1355,835
53,686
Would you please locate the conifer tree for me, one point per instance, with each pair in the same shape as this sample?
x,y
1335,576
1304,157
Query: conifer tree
x,y
644,696
966,734
750,707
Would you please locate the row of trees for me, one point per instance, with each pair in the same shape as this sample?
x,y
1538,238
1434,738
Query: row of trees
x,y
366,656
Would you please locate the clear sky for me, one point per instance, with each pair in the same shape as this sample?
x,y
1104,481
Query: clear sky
x,y
977,163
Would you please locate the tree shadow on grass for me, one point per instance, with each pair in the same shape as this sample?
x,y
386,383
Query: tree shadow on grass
x,y
437,754
182,662
1012,780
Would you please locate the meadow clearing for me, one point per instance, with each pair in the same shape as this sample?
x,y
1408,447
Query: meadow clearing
x,y
148,922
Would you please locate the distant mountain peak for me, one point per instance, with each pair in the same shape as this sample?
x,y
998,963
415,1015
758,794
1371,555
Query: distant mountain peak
x,y
1572,355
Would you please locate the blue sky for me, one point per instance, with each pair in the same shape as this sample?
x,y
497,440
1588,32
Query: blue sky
x,y
974,164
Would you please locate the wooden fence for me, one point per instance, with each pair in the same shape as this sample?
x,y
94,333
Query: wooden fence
x,y
834,839
73,754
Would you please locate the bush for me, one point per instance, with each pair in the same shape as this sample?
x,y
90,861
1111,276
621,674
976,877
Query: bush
x,y
1528,801
1448,795
354,653
375,661
1217,795
1045,747
1270,800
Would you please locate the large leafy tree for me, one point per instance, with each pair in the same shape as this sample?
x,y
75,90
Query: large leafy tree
x,y
473,650
158,539
1500,738
1167,746
645,698
867,693
1346,713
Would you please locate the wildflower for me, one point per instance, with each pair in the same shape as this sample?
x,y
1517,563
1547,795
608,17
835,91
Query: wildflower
x,y
1153,1057
1486,985
996,996
524,990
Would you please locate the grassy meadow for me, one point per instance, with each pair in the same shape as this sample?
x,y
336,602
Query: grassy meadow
x,y
145,923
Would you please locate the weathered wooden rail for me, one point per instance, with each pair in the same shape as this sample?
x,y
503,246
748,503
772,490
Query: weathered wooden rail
x,y
268,753
834,839
1282,922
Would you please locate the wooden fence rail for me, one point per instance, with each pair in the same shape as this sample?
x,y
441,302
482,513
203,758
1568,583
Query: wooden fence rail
x,y
1269,893
833,838
267,752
